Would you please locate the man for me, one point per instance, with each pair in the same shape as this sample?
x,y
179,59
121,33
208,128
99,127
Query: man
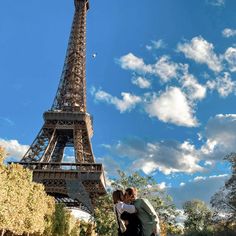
x,y
145,212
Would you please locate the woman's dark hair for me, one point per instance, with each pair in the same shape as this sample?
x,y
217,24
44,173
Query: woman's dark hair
x,y
117,196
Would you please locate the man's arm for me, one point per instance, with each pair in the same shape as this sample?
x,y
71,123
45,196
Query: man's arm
x,y
148,208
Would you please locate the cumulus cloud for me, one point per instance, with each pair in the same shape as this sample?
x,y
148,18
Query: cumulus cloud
x,y
199,178
208,163
196,189
127,103
218,140
172,106
194,90
166,156
14,149
201,51
131,62
230,57
162,185
220,135
165,69
156,45
228,32
141,82
223,84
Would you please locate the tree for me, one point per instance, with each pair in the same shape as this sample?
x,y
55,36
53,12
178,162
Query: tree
x,y
224,201
60,221
199,217
26,209
40,206
104,216
24,205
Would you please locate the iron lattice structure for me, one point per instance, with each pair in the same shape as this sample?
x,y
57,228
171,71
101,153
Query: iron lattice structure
x,y
68,124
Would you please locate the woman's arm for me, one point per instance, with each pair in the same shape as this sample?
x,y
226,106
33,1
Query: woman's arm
x,y
121,206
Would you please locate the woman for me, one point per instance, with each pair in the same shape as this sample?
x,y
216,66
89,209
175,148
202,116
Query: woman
x,y
128,222
145,212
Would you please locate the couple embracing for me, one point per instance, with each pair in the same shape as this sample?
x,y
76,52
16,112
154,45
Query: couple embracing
x,y
135,216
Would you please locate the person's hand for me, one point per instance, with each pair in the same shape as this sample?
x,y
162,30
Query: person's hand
x,y
126,222
154,231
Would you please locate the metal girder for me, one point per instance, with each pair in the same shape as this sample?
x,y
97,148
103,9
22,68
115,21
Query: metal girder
x,y
68,124
71,94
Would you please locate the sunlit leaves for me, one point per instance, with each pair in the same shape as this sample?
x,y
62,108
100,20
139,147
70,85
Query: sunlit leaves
x,y
24,205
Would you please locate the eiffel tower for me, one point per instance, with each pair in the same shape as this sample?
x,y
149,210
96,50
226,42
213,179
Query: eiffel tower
x,y
68,125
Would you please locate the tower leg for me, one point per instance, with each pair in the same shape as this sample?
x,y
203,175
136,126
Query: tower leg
x,y
78,144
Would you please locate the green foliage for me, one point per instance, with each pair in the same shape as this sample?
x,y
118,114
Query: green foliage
x,y
2,155
25,208
60,224
225,199
65,224
199,218
24,205
105,217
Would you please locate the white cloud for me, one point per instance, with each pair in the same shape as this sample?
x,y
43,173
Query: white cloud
x,y
131,62
156,45
162,185
217,3
172,106
224,85
202,52
165,69
195,91
141,82
230,57
199,178
176,157
127,103
14,149
202,178
228,32
166,156
208,163
218,176
182,184
220,134
102,96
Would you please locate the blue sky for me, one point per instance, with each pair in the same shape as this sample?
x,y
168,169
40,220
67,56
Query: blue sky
x,y
161,88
